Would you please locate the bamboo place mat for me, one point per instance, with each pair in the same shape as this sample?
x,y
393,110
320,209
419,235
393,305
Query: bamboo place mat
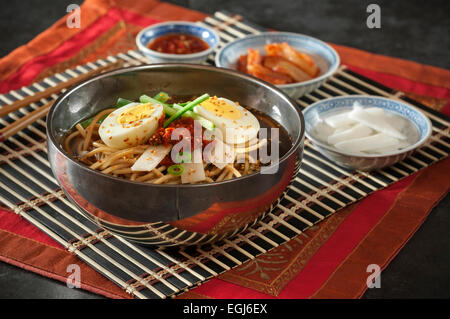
x,y
320,189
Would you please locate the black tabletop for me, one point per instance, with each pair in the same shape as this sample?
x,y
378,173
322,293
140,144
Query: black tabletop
x,y
413,30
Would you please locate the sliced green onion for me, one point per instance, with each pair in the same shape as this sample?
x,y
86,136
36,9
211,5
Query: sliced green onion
x,y
162,97
175,169
186,108
183,158
147,99
122,102
167,109
170,110
87,122
207,124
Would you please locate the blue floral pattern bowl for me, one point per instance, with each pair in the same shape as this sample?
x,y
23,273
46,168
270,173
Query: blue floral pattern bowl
x,y
323,55
367,162
146,35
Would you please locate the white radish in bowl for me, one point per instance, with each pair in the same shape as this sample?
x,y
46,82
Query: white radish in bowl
x,y
369,130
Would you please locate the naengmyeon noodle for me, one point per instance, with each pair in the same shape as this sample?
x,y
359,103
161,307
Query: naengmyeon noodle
x,y
85,143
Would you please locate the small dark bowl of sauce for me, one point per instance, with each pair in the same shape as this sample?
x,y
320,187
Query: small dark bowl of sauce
x,y
177,42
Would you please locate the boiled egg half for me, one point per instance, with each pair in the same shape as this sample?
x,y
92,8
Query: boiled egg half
x,y
237,124
131,125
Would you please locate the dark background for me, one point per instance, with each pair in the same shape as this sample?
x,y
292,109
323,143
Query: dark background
x,y
412,30
415,29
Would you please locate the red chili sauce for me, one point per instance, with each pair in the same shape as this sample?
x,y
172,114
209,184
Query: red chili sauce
x,y
177,43
163,136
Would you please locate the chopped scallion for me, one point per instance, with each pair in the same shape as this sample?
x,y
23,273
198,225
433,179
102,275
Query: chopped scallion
x,y
167,109
185,157
162,97
87,122
207,124
122,102
186,108
175,169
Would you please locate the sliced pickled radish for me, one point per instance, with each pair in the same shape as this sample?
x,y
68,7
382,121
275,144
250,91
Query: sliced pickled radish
x,y
376,121
368,143
353,132
322,130
339,120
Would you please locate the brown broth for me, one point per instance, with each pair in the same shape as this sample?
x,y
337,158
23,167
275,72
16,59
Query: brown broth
x,y
265,121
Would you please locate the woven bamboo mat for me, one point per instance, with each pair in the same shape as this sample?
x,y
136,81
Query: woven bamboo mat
x,y
320,189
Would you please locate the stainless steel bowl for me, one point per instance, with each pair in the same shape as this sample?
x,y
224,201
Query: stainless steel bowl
x,y
171,214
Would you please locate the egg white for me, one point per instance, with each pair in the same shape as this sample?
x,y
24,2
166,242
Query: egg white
x,y
234,131
125,135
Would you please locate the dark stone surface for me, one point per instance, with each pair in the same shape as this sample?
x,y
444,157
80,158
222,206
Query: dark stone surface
x,y
19,283
413,30
422,268
21,21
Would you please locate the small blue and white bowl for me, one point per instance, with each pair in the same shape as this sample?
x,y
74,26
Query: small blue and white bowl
x,y
146,35
325,57
368,162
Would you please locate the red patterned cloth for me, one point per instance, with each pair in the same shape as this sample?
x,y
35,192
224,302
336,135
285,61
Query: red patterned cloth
x,y
328,261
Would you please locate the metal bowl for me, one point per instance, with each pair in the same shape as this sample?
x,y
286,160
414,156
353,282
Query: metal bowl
x,y
171,214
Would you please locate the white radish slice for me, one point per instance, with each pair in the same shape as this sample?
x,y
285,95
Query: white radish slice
x,y
343,120
389,149
378,122
375,110
340,119
372,110
221,154
322,130
368,143
356,131
343,128
152,156
193,172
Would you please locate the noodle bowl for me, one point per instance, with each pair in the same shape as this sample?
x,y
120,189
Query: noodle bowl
x,y
131,203
84,143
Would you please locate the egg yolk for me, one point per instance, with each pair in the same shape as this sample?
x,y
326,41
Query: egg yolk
x,y
136,113
221,108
